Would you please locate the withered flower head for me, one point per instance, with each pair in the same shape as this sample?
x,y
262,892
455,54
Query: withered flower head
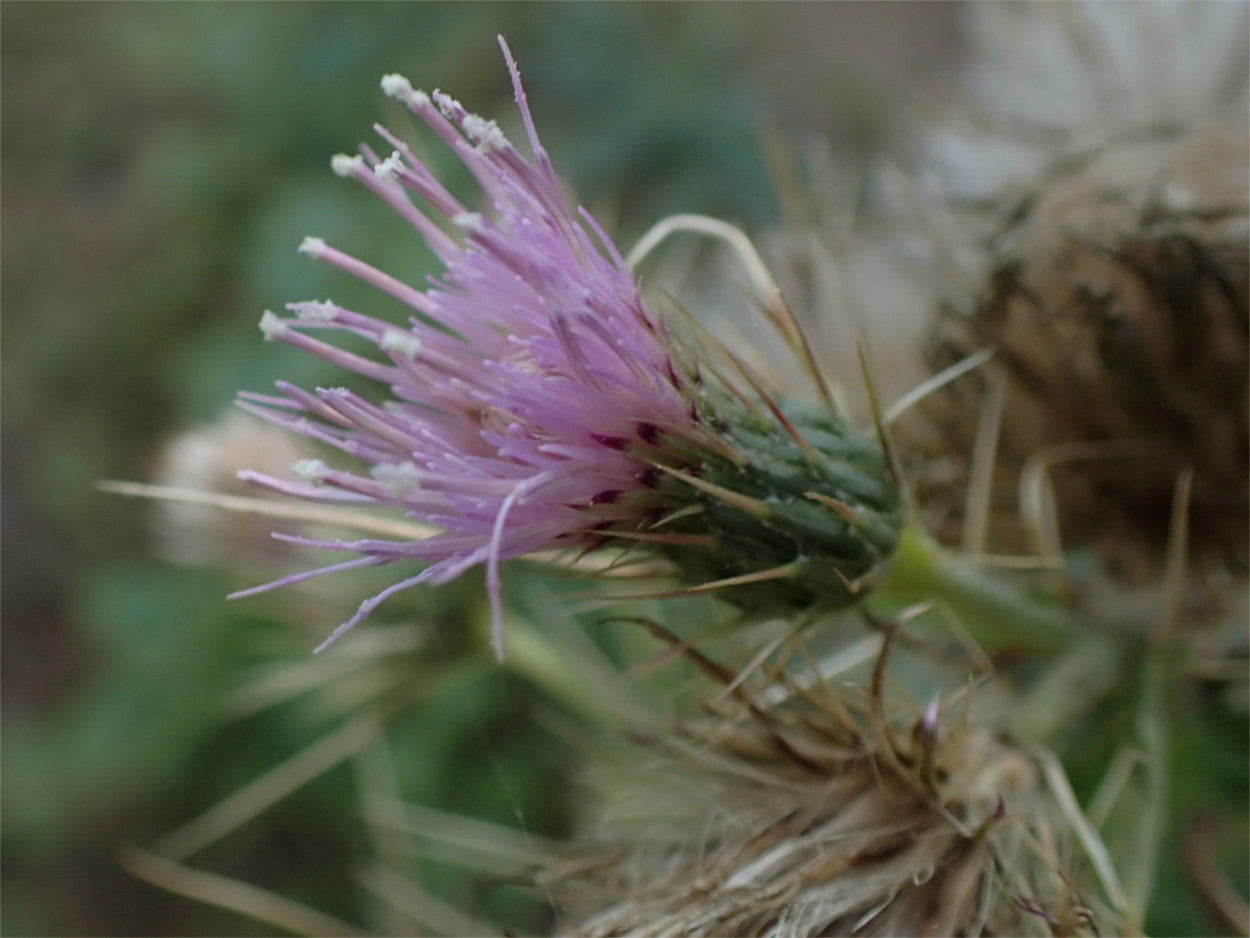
x,y
815,812
1106,254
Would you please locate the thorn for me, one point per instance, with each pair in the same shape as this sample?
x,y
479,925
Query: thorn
x,y
679,513
874,402
1175,561
692,540
757,385
926,738
842,509
752,506
702,335
785,571
935,383
782,315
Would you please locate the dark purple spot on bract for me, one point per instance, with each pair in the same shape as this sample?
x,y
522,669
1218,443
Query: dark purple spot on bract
x,y
611,442
606,498
649,478
648,432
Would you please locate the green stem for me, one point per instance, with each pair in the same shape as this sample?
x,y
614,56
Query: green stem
x,y
1151,730
997,615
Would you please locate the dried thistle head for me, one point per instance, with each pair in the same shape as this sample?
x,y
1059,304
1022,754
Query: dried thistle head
x,y
1100,241
208,459
1116,300
810,808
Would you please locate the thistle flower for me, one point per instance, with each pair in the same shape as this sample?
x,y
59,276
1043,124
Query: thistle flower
x,y
536,403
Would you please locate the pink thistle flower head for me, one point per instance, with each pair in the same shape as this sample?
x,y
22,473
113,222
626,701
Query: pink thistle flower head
x,y
534,401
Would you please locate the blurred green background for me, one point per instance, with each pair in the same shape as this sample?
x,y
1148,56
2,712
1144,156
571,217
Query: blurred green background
x,y
161,162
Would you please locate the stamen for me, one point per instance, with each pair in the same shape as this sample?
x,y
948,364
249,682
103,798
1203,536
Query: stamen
x,y
390,167
470,221
272,326
448,106
485,133
311,470
346,165
315,310
404,344
400,88
399,479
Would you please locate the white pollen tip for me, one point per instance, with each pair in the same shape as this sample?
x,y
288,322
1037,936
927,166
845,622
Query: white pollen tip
x,y
311,470
404,344
272,326
313,246
346,165
470,221
485,133
450,107
398,87
390,167
399,479
315,310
